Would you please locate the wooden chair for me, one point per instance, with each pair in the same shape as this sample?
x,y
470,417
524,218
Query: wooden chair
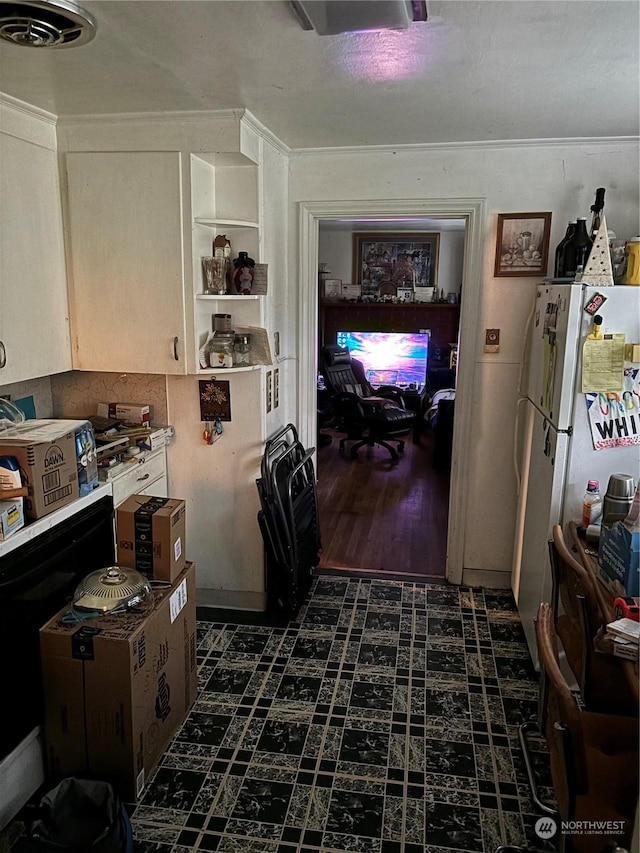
x,y
603,684
593,756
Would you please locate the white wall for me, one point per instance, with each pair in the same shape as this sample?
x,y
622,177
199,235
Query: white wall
x,y
560,178
335,248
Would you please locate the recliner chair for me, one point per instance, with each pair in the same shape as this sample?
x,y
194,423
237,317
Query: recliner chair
x,y
369,416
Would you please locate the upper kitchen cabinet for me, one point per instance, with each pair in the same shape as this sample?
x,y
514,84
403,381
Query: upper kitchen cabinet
x,y
126,261
144,204
34,321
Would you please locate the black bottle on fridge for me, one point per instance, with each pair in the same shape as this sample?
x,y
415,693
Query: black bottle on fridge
x,y
559,266
576,251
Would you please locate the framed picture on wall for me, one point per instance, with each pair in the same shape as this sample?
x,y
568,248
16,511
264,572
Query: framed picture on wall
x,y
522,244
383,262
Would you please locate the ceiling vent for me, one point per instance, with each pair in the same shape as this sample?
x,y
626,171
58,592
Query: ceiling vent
x,y
45,23
331,17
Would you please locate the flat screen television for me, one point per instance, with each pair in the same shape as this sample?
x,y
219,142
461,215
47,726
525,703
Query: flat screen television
x,y
390,358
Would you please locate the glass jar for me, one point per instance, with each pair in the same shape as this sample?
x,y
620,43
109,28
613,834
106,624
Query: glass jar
x,y
221,323
220,352
215,282
242,350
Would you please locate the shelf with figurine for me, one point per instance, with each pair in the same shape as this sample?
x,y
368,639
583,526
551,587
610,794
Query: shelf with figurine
x,y
225,223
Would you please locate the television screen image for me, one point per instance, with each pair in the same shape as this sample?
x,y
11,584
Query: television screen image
x,y
389,358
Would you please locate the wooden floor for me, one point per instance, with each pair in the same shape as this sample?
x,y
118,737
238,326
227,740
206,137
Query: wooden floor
x,y
383,515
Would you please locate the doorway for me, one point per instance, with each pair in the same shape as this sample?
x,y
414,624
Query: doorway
x,y
377,514
472,212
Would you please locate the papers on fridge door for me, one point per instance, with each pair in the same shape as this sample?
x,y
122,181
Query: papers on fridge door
x,y
603,363
614,416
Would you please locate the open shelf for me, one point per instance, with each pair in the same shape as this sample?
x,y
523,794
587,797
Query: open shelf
x,y
220,371
225,223
213,297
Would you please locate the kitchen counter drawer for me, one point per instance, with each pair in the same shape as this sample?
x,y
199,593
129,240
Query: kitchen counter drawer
x,y
132,478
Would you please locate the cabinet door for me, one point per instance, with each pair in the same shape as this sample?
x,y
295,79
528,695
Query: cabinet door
x,y
34,325
126,259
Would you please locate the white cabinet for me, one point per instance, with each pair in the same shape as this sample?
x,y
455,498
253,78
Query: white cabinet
x,y
146,198
139,223
34,324
145,474
126,261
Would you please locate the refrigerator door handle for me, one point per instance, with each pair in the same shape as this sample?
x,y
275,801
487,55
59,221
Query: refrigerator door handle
x,y
516,430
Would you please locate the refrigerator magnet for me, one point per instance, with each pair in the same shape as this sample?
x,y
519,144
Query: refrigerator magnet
x,y
596,302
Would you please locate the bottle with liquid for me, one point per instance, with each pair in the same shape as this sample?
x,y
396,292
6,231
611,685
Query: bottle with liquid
x,y
577,250
243,273
591,503
558,270
596,212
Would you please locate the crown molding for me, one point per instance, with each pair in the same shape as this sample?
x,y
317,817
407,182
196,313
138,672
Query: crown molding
x,y
265,133
190,117
27,109
471,146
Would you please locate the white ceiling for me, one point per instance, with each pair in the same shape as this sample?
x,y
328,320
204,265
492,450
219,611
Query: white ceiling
x,y
474,71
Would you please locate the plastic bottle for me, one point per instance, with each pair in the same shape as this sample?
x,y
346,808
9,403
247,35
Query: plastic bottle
x,y
81,461
591,503
558,270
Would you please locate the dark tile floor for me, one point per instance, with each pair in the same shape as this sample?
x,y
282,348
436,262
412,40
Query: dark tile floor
x,y
383,719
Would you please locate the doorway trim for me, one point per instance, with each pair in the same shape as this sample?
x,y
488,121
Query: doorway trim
x,y
311,213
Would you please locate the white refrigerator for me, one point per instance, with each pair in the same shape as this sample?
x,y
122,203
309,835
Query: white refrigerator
x,y
554,448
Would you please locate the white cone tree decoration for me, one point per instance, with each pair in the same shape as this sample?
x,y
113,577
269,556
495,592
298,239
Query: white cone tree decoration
x,y
598,271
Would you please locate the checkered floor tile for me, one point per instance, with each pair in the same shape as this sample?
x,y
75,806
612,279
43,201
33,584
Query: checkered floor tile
x,y
383,719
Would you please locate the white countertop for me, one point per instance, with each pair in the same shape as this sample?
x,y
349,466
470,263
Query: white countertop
x,y
35,528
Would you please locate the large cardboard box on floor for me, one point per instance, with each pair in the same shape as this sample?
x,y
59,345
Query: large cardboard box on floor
x,y
46,454
117,688
150,535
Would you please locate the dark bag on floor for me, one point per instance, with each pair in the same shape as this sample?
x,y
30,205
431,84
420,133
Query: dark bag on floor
x,y
84,816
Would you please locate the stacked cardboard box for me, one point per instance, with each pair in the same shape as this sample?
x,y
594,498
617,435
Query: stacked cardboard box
x,y
150,536
117,688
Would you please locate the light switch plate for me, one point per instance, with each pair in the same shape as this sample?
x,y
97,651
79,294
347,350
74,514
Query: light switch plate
x,y
492,340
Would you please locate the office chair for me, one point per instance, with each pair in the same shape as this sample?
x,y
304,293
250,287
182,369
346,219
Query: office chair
x,y
368,416
593,756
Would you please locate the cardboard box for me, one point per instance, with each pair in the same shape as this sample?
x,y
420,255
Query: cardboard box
x,y
48,467
159,436
135,414
106,410
619,559
150,535
116,688
11,517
